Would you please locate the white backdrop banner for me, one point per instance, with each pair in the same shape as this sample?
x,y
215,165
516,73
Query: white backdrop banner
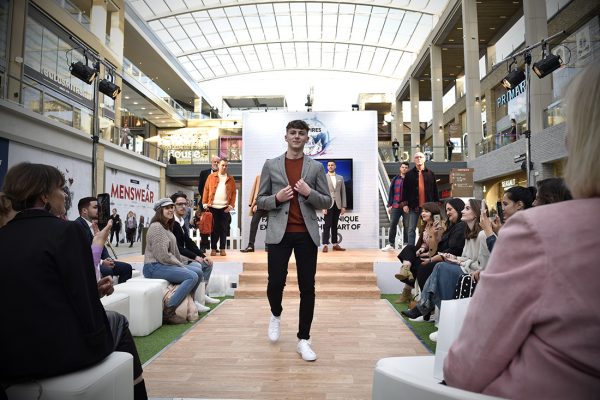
x,y
131,193
333,135
78,173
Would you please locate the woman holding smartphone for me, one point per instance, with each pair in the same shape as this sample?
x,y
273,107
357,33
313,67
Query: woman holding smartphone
x,y
442,282
432,228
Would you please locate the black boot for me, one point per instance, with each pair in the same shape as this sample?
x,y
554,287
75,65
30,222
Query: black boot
x,y
412,313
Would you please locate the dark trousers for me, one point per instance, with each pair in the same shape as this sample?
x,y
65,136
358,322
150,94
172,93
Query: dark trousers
x,y
395,215
114,232
450,153
305,252
254,225
130,233
331,225
219,232
121,269
204,242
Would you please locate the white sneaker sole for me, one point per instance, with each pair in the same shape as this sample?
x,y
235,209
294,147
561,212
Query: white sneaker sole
x,y
306,359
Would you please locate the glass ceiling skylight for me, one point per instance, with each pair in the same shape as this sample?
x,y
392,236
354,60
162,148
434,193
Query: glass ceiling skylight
x,y
217,38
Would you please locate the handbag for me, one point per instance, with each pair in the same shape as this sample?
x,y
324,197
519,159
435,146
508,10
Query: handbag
x,y
465,287
187,309
206,223
452,316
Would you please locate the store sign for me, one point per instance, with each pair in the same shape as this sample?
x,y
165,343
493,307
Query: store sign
x,y
461,180
131,193
62,86
508,183
510,94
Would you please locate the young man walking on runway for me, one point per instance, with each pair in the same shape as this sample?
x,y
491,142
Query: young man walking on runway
x,y
292,187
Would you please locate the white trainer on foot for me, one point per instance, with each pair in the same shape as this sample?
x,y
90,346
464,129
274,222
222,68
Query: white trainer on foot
x,y
433,336
210,300
388,247
200,307
274,328
305,351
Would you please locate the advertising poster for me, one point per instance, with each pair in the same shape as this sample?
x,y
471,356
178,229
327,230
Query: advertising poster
x,y
78,173
131,193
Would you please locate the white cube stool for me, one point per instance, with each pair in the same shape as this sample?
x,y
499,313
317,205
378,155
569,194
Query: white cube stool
x,y
412,378
141,278
145,304
118,302
110,379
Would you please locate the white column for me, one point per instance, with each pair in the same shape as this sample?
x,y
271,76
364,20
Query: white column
x,y
415,128
117,28
98,19
399,125
536,29
472,83
437,127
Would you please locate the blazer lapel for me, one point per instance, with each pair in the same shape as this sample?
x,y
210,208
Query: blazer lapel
x,y
281,163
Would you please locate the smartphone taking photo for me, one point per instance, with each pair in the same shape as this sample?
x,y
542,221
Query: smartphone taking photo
x,y
103,210
437,218
500,211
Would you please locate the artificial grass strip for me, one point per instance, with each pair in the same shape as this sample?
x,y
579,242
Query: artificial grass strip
x,y
420,329
148,346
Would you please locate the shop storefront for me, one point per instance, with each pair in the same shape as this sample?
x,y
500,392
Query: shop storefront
x,y
493,189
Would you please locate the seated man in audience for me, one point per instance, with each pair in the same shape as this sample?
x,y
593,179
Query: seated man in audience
x,y
186,246
88,212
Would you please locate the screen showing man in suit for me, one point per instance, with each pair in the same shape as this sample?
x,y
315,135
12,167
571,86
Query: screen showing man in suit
x,y
292,187
331,215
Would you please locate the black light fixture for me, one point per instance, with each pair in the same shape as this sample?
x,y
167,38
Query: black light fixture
x,y
83,71
354,107
548,64
109,88
514,77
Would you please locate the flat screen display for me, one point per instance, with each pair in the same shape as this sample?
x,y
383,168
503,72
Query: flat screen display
x,y
343,167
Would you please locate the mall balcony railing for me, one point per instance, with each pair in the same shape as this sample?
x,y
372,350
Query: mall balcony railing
x,y
554,114
494,142
77,14
388,154
36,100
134,72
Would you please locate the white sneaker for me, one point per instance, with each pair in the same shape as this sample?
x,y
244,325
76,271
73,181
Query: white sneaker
x,y
305,351
433,336
274,328
201,308
388,247
421,319
210,300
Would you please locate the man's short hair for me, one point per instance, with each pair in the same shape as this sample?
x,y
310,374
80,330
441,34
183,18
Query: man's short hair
x,y
297,124
85,203
174,196
405,163
332,162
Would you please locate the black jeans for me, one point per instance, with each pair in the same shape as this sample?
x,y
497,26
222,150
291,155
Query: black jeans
x,y
258,215
305,251
121,269
114,232
331,225
220,225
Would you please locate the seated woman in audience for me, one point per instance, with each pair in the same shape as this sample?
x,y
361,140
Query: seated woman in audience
x,y
453,240
442,282
529,332
50,289
551,190
432,229
163,260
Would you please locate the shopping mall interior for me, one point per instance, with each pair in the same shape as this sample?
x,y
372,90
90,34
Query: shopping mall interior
x,y
136,98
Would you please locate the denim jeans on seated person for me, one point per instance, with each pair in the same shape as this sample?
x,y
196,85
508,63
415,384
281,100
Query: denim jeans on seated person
x,y
439,286
202,269
188,280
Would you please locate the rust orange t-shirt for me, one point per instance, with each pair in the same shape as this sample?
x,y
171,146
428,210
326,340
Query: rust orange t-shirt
x,y
293,170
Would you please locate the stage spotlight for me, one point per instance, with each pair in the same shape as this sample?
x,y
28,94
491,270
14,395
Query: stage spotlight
x,y
83,71
354,107
108,88
513,79
547,65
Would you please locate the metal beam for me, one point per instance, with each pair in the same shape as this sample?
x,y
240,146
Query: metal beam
x,y
297,69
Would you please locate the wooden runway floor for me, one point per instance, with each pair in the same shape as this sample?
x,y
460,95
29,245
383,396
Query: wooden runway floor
x,y
228,354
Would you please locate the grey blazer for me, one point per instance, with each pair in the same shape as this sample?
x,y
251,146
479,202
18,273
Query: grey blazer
x,y
339,193
273,178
